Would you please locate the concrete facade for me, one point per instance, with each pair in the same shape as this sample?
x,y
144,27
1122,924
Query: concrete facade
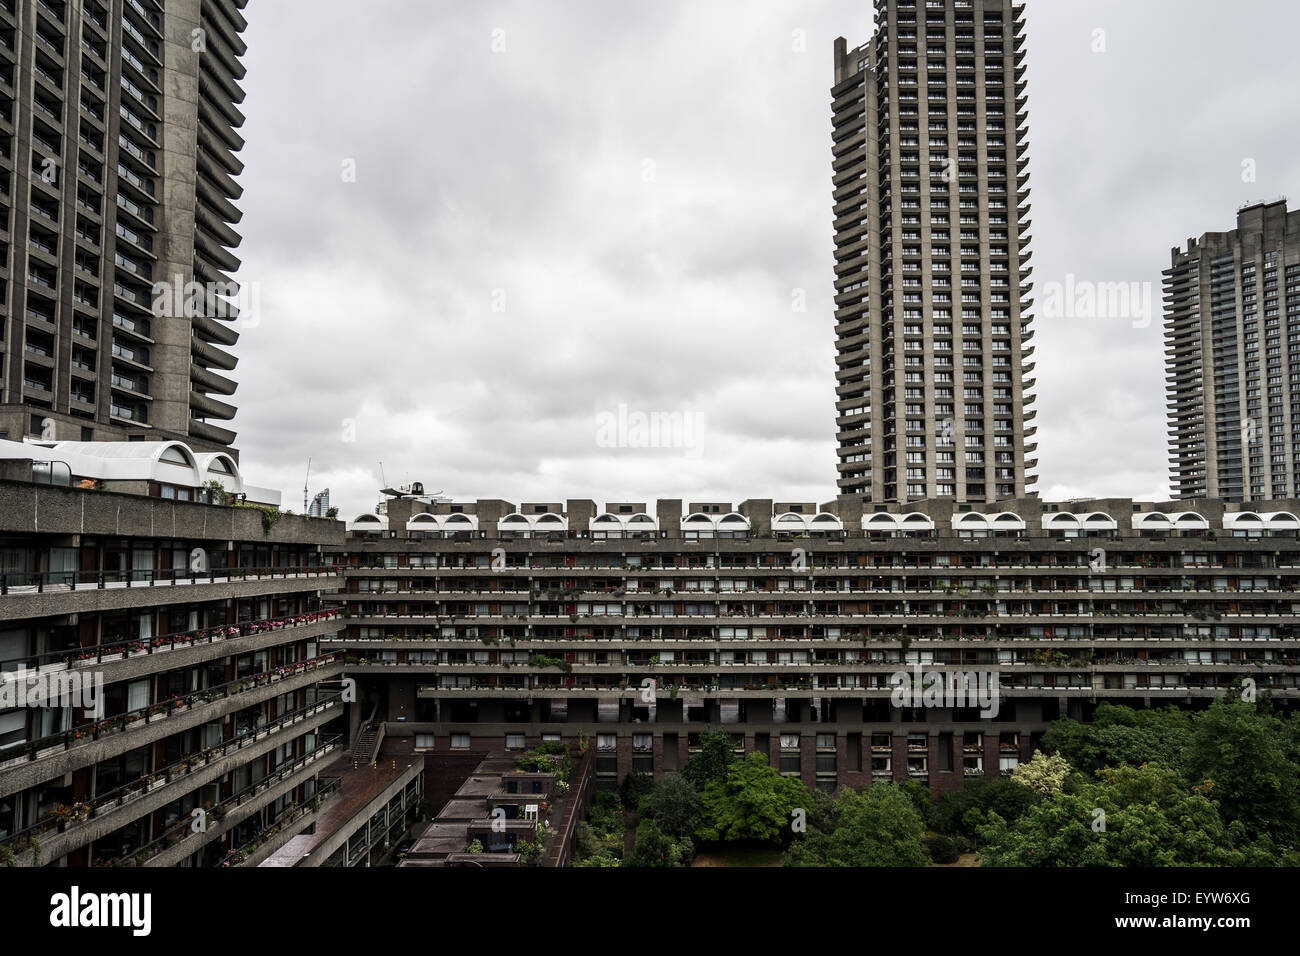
x,y
1232,347
119,119
929,155
496,639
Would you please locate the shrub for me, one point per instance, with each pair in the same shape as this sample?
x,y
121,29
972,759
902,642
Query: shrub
x,y
942,848
635,786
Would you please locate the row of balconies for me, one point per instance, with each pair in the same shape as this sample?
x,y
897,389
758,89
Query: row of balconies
x,y
862,668
117,661
706,594
66,829
1033,691
106,737
782,566
928,616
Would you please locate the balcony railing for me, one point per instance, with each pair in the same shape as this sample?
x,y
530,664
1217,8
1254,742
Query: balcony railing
x,y
69,820
183,829
65,740
62,581
140,647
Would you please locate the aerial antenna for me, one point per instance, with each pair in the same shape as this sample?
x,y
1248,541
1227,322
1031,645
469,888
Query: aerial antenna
x,y
305,482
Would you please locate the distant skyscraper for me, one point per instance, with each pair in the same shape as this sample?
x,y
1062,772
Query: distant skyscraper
x,y
1232,341
932,276
320,505
117,121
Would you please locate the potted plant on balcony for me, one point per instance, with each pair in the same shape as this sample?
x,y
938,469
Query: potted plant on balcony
x,y
65,814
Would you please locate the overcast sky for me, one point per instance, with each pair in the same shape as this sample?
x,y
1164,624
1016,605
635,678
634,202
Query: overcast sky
x,y
477,229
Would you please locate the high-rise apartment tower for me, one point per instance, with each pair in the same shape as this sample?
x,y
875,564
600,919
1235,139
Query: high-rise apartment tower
x,y
1232,346
932,277
117,166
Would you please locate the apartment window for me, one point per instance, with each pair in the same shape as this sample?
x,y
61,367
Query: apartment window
x,y
515,742
606,742
460,741
424,741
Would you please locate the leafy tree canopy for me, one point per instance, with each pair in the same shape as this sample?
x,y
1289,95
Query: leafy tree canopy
x,y
674,805
878,826
753,803
710,765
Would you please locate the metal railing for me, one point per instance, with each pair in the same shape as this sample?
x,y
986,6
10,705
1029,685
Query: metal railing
x,y
130,792
121,650
181,830
18,583
65,740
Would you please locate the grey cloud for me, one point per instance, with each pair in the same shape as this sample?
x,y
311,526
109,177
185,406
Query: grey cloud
x,y
524,171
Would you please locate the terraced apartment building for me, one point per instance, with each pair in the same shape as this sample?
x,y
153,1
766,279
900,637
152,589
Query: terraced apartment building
x,y
118,146
166,693
934,384
484,625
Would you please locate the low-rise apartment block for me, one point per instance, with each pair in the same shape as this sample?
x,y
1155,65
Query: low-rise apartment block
x,y
814,632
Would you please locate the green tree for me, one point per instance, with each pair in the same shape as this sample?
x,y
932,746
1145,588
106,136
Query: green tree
x,y
635,787
674,805
1044,775
1246,756
711,764
753,803
962,812
1150,819
653,847
878,826
1121,735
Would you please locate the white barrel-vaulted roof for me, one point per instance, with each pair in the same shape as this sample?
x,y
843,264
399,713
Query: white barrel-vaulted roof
x,y
699,521
1170,521
634,523
1260,521
164,462
1069,521
538,524
883,522
795,523
368,522
977,521
431,523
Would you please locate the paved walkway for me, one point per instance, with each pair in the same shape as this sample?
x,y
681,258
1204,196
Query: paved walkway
x,y
359,786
